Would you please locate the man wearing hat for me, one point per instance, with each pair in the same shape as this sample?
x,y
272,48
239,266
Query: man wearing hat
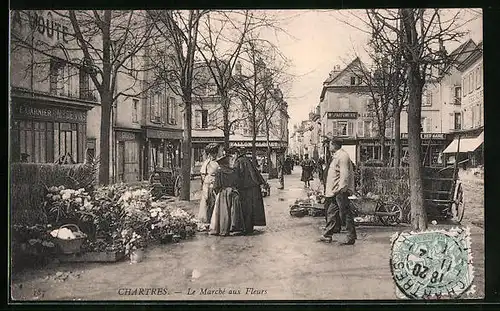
x,y
339,184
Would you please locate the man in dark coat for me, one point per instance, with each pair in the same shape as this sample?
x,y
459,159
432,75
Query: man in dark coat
x,y
249,183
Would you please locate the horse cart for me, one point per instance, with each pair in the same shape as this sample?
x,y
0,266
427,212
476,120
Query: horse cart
x,y
166,181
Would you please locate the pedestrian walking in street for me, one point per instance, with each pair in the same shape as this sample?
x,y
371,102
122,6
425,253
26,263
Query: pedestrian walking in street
x,y
320,167
249,183
281,172
307,171
208,170
227,216
339,185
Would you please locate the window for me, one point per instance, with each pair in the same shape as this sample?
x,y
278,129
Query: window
x,y
427,98
201,119
155,107
458,119
344,128
458,96
481,74
172,112
46,142
135,108
478,82
368,128
470,86
464,86
353,80
426,124
472,118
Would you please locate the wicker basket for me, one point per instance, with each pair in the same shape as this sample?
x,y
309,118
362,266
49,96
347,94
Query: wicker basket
x,y
71,246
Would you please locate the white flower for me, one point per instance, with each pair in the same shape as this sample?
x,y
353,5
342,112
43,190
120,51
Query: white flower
x,y
66,196
78,200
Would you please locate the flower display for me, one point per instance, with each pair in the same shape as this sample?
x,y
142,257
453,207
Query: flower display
x,y
68,203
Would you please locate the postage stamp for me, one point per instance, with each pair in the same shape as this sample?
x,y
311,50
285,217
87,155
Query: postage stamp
x,y
432,264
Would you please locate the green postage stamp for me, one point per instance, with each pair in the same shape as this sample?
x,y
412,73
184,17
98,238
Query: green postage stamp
x,y
432,264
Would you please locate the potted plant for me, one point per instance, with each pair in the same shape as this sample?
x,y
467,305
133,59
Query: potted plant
x,y
134,246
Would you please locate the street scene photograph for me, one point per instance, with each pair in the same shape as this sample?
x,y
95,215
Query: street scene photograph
x,y
244,155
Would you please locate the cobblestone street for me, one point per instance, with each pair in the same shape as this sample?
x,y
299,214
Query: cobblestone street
x,y
281,261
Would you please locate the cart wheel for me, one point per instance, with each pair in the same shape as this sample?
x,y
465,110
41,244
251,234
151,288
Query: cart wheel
x,y
390,208
458,206
177,186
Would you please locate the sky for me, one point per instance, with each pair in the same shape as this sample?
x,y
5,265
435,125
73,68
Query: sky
x,y
316,41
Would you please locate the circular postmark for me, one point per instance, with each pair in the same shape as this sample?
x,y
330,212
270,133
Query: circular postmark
x,y
432,264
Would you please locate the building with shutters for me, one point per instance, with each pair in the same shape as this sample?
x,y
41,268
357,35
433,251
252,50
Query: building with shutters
x,y
208,120
54,108
344,112
471,145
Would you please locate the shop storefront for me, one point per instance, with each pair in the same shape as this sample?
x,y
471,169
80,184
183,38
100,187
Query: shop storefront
x,y
433,145
44,129
470,147
161,150
128,155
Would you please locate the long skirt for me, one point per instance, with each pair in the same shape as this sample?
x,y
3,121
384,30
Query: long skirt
x,y
252,204
227,215
307,174
206,203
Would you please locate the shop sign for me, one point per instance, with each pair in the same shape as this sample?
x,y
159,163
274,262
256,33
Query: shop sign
x,y
163,134
43,24
51,112
125,135
342,115
426,136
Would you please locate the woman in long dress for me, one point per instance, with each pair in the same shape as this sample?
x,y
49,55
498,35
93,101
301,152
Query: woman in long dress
x,y
228,215
307,170
249,188
208,170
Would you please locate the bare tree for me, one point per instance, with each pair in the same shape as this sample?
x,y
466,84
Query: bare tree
x,y
264,66
387,88
103,43
421,35
222,37
179,36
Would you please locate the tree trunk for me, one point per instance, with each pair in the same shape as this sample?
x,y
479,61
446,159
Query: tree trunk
x,y
254,141
185,194
226,127
397,138
382,146
418,213
104,145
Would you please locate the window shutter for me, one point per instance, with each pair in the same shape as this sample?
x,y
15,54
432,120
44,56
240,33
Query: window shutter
x,y
360,128
334,127
166,104
350,131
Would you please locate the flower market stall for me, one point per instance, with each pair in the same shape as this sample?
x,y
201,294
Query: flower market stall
x,y
111,222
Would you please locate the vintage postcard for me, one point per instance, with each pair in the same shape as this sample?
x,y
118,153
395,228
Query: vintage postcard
x,y
181,155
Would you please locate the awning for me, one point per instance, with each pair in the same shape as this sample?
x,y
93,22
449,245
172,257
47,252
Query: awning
x,y
466,144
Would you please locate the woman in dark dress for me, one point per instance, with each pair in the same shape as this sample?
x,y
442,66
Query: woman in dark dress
x,y
249,183
307,170
227,215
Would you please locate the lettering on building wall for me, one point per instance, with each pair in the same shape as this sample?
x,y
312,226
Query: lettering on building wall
x,y
426,136
342,115
52,112
44,25
125,136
